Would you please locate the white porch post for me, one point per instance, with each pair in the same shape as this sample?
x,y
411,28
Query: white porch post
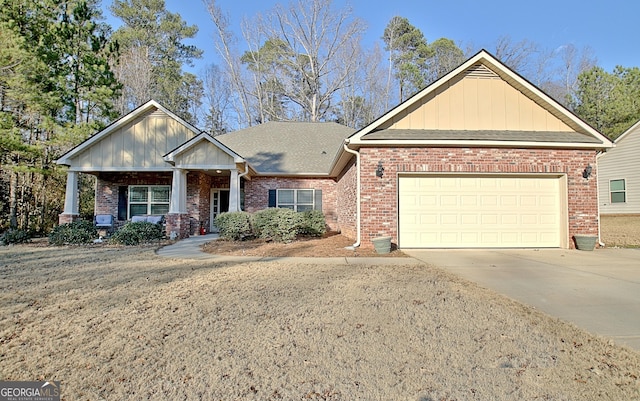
x,y
71,195
178,202
234,191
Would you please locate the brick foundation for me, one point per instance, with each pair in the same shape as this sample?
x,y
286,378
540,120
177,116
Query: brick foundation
x,y
67,218
178,225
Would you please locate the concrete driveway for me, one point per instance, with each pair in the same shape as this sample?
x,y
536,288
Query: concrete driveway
x,y
598,291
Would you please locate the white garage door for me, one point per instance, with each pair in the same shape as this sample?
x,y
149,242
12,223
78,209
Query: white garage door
x,y
479,211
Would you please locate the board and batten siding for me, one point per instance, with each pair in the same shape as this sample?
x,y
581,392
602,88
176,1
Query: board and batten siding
x,y
621,162
478,100
140,144
204,153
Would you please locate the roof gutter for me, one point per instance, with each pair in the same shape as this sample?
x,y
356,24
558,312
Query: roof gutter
x,y
346,149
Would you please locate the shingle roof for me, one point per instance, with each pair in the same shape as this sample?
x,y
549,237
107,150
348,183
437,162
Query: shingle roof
x,y
289,147
470,135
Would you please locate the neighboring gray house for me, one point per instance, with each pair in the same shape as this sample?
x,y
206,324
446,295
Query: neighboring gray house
x,y
619,175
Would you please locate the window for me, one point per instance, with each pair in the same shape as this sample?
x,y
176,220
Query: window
x,y
149,199
618,191
299,200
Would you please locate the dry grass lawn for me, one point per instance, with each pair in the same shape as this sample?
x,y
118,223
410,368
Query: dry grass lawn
x,y
622,231
117,323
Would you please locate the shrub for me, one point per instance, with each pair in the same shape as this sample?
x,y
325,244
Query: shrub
x,y
313,223
137,233
280,225
77,232
234,225
15,237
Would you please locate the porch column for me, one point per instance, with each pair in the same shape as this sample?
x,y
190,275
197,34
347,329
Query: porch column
x,y
178,202
234,191
71,194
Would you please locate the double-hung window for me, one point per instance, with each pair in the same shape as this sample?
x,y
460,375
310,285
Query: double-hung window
x,y
618,191
299,200
149,199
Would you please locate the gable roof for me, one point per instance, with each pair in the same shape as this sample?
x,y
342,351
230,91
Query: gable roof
x,y
575,133
193,142
634,128
289,148
122,121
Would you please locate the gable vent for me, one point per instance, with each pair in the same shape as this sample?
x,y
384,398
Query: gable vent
x,y
480,71
158,113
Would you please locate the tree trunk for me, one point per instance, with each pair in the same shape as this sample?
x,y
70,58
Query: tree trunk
x,y
13,199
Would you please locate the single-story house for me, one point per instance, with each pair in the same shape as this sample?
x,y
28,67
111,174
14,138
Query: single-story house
x,y
619,175
480,158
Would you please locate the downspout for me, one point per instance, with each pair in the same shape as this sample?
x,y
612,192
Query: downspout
x,y
598,154
353,152
246,171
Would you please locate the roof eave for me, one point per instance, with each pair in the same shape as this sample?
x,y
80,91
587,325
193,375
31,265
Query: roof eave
x,y
627,132
473,144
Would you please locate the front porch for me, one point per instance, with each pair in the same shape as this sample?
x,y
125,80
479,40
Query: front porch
x,y
189,199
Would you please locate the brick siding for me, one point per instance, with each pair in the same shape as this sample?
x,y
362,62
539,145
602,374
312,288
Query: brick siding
x,y
379,198
347,196
256,194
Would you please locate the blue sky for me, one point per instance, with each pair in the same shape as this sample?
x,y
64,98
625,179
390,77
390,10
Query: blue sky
x,y
610,27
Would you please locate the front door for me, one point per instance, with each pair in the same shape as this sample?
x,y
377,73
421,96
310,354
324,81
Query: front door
x,y
219,204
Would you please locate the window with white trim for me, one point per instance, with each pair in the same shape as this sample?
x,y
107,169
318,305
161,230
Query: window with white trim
x,y
149,199
299,200
618,191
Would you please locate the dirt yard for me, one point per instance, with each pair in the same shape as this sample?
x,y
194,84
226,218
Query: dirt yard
x,y
117,323
622,231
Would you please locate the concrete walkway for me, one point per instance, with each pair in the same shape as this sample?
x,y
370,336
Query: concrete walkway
x,y
189,248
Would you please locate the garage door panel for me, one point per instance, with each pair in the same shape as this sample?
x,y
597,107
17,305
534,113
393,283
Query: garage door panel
x,y
428,200
488,200
469,219
470,238
476,211
508,219
489,238
468,200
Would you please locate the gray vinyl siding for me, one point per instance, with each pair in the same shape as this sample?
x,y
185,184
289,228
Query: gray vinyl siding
x,y
621,162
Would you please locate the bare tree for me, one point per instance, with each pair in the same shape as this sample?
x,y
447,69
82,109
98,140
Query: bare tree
x,y
365,96
217,94
516,55
575,62
322,46
134,71
224,42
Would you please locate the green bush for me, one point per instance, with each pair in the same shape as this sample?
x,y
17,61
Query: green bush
x,y
77,232
313,223
234,225
137,233
15,237
280,225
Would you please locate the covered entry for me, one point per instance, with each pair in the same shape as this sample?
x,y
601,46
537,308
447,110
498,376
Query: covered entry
x,y
481,211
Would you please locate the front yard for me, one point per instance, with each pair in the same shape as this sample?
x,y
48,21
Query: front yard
x,y
122,323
